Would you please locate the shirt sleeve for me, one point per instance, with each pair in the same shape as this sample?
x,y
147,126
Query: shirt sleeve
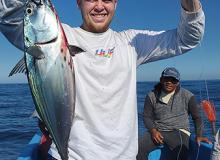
x,y
194,111
156,45
11,21
148,114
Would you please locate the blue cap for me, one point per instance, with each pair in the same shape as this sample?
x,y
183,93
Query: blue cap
x,y
171,72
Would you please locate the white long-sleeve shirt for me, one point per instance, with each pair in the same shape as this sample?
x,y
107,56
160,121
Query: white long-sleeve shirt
x,y
105,123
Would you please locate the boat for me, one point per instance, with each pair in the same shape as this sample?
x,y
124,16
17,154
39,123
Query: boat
x,y
202,152
31,151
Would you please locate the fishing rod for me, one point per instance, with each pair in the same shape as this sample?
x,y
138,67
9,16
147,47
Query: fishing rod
x,y
209,109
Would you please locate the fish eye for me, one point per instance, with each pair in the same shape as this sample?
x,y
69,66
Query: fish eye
x,y
29,11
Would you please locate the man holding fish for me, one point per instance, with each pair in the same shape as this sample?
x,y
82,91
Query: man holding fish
x,y
105,121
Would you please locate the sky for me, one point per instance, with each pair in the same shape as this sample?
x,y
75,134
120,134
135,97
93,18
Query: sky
x,y
201,63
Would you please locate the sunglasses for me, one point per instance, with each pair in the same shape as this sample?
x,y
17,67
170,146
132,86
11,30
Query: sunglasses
x,y
170,79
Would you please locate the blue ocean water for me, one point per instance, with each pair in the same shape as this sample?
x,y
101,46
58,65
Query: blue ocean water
x,y
16,106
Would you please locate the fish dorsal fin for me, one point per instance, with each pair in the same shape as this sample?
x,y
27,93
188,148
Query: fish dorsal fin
x,y
35,114
36,52
19,68
217,137
75,50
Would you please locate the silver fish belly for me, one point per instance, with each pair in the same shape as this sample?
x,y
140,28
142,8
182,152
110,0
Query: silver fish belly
x,y
215,155
50,71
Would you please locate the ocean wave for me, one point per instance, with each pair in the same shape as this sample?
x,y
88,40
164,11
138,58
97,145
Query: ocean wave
x,y
15,135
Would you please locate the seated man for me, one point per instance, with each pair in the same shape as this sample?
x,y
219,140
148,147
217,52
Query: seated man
x,y
166,112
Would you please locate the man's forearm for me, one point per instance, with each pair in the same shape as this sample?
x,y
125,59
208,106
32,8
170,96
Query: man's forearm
x,y
191,5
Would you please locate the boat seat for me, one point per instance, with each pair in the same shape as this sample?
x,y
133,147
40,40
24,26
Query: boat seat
x,y
163,153
160,153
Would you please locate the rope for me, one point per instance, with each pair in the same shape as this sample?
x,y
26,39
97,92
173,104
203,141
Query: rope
x,y
181,144
197,155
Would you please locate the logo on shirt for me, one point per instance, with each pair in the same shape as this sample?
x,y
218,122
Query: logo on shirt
x,y
107,53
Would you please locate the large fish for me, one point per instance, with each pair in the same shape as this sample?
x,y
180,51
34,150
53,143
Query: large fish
x,y
49,67
216,147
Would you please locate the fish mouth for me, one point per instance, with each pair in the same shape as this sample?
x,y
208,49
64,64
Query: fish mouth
x,y
37,2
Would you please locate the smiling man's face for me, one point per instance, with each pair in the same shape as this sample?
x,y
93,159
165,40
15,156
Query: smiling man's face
x,y
169,84
97,14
